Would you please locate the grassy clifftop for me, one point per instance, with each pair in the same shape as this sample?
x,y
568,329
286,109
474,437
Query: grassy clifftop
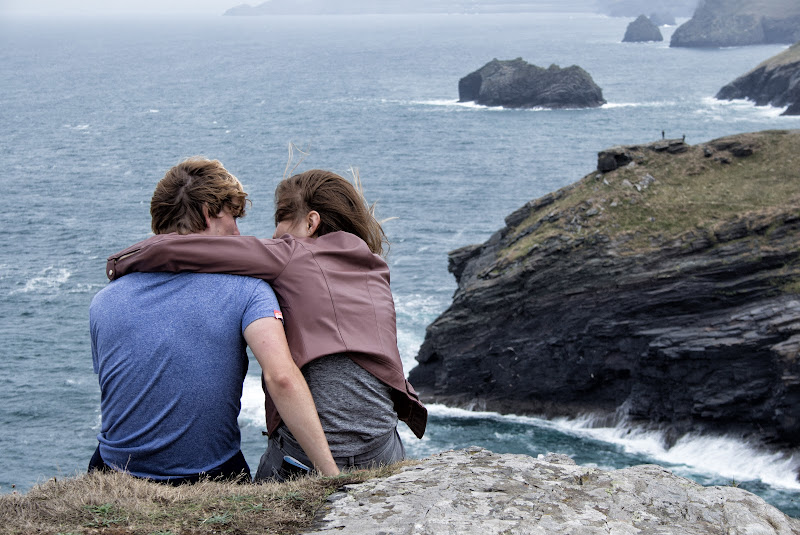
x,y
666,190
788,56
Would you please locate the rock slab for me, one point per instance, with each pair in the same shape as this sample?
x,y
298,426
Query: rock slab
x,y
518,84
642,30
475,491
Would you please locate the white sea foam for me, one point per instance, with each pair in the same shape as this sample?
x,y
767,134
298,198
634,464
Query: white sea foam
x,y
453,103
252,413
712,456
730,458
48,280
657,104
743,110
418,304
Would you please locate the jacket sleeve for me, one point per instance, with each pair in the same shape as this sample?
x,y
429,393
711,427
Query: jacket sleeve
x,y
235,255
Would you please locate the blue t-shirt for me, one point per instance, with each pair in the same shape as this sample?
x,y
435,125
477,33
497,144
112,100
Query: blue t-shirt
x,y
171,358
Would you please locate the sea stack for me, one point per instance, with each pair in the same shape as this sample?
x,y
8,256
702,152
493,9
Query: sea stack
x,y
642,30
519,84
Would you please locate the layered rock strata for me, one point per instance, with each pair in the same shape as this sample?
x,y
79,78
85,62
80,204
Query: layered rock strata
x,y
775,82
662,288
718,23
475,491
518,84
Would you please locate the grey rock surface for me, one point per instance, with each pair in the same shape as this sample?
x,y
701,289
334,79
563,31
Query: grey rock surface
x,y
518,84
642,30
475,491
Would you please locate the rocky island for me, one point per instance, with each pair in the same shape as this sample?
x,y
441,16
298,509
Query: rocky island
x,y
661,289
642,30
518,84
718,23
775,82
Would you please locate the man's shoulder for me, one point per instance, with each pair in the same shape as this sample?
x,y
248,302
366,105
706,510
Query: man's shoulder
x,y
139,282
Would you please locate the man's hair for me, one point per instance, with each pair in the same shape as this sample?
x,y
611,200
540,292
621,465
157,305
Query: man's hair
x,y
340,204
177,203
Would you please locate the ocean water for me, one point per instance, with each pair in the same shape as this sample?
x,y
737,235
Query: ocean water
x,y
93,111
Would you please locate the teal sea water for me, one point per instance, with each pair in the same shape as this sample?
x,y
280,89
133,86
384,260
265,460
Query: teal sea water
x,y
93,111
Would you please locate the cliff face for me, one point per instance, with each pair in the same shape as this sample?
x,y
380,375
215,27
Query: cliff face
x,y
518,84
775,81
719,23
662,288
475,491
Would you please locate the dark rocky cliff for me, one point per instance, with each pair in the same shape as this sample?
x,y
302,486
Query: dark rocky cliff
x,y
518,84
719,23
775,81
662,288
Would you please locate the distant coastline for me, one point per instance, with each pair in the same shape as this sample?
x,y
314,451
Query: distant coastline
x,y
342,7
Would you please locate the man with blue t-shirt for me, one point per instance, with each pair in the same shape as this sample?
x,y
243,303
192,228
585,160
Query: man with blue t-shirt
x,y
170,350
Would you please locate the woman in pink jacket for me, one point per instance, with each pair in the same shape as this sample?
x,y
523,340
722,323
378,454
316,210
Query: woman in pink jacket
x,y
325,266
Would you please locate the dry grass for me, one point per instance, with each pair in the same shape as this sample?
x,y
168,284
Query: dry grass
x,y
788,56
118,504
690,192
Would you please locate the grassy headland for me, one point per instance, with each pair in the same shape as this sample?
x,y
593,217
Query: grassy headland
x,y
661,195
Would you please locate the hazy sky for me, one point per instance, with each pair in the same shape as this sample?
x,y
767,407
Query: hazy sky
x,y
86,7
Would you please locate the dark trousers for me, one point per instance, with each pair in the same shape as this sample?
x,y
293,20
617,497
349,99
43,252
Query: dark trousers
x,y
235,468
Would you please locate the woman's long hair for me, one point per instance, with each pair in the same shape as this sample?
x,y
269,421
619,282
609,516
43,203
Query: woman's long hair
x,y
340,204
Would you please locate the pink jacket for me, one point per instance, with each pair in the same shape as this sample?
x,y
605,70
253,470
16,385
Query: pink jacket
x,y
333,291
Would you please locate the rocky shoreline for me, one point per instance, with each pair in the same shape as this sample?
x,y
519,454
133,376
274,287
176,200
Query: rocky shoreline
x,y
775,81
650,291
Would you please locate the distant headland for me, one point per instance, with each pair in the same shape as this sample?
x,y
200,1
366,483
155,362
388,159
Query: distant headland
x,y
718,23
344,7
